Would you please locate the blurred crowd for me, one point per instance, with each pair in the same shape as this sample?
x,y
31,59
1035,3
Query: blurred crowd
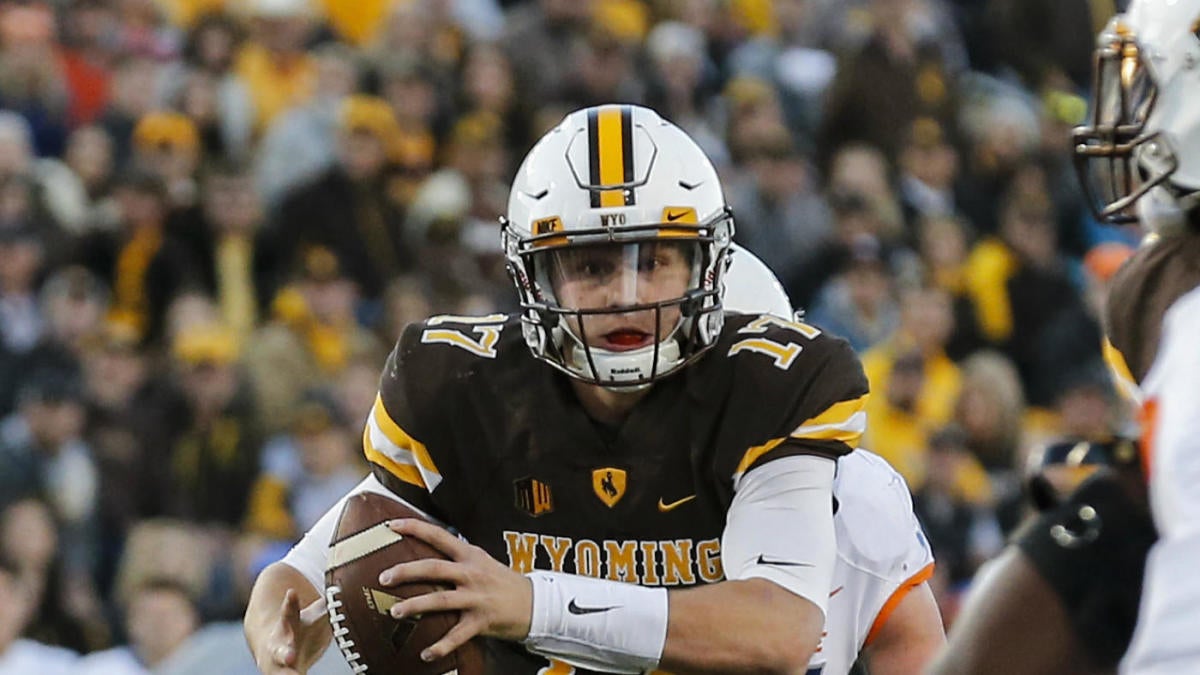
x,y
217,215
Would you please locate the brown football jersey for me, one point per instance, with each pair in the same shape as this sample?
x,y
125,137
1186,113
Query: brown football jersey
x,y
473,429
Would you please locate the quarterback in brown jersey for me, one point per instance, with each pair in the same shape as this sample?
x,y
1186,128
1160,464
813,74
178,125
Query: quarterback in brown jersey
x,y
653,489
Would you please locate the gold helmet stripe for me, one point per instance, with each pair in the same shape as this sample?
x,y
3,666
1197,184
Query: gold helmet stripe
x,y
610,147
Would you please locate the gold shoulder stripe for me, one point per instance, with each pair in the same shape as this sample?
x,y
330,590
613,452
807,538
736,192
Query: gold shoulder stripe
x,y
837,413
400,438
405,472
754,453
386,444
844,421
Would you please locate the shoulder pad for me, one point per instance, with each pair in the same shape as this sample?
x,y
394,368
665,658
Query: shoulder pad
x,y
876,527
1142,291
792,390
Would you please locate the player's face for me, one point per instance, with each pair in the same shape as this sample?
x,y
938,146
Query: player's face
x,y
611,276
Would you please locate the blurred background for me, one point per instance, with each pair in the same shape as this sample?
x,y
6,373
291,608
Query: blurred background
x,y
216,216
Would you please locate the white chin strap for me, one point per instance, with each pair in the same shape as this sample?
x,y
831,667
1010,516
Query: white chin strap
x,y
620,368
1160,213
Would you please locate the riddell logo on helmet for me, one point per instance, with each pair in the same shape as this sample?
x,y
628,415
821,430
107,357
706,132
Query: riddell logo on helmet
x,y
626,371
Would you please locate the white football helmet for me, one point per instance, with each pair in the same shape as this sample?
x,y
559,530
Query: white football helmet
x,y
617,178
1141,146
752,288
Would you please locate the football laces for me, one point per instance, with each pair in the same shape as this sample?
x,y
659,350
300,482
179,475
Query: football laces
x,y
341,633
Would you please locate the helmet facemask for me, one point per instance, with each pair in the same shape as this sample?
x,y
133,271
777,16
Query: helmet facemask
x,y
621,309
1118,157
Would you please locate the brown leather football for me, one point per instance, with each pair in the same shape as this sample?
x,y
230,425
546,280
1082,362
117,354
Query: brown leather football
x,y
363,628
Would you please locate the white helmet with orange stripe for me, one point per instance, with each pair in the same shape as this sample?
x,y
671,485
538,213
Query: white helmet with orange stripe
x,y
617,237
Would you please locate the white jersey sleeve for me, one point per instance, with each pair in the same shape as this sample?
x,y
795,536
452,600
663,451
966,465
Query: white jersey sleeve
x,y
882,555
1166,639
310,554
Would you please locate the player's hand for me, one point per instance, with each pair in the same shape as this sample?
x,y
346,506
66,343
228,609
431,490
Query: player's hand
x,y
282,655
492,599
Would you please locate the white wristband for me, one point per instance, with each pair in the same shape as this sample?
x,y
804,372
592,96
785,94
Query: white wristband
x,y
597,624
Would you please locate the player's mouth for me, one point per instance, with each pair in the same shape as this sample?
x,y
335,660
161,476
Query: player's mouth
x,y
627,339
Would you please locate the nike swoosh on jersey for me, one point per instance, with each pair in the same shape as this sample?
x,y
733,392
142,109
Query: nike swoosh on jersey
x,y
836,591
675,215
780,563
576,609
664,507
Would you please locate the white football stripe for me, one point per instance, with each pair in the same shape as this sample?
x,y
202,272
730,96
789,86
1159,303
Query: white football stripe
x,y
361,545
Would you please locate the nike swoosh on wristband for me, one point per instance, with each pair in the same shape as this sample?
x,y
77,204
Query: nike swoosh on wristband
x,y
780,563
576,609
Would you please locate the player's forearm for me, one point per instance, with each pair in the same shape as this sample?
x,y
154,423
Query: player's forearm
x,y
751,626
262,613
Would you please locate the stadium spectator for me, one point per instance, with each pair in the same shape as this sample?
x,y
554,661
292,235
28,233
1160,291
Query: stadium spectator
x,y
312,337
65,611
143,263
305,471
159,618
19,655
214,452
237,261
859,304
301,143
369,244
273,65
42,453
923,400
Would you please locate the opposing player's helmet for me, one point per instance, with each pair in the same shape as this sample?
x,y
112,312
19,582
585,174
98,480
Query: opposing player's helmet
x,y
1141,145
617,182
752,288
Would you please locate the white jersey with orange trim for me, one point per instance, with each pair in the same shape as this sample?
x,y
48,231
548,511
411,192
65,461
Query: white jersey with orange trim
x,y
882,555
1167,639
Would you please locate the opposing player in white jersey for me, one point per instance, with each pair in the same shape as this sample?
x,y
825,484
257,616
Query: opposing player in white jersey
x,y
880,607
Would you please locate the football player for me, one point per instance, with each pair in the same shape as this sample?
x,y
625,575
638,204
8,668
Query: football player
x,y
1063,597
652,441
1139,160
881,610
1145,134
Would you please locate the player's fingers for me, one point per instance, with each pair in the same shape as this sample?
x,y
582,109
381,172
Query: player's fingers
x,y
437,601
429,569
284,655
431,534
456,637
289,610
314,612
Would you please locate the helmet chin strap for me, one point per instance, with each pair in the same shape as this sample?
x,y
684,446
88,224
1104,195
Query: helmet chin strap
x,y
620,367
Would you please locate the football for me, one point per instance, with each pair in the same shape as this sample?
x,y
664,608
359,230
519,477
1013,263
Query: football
x,y
363,628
